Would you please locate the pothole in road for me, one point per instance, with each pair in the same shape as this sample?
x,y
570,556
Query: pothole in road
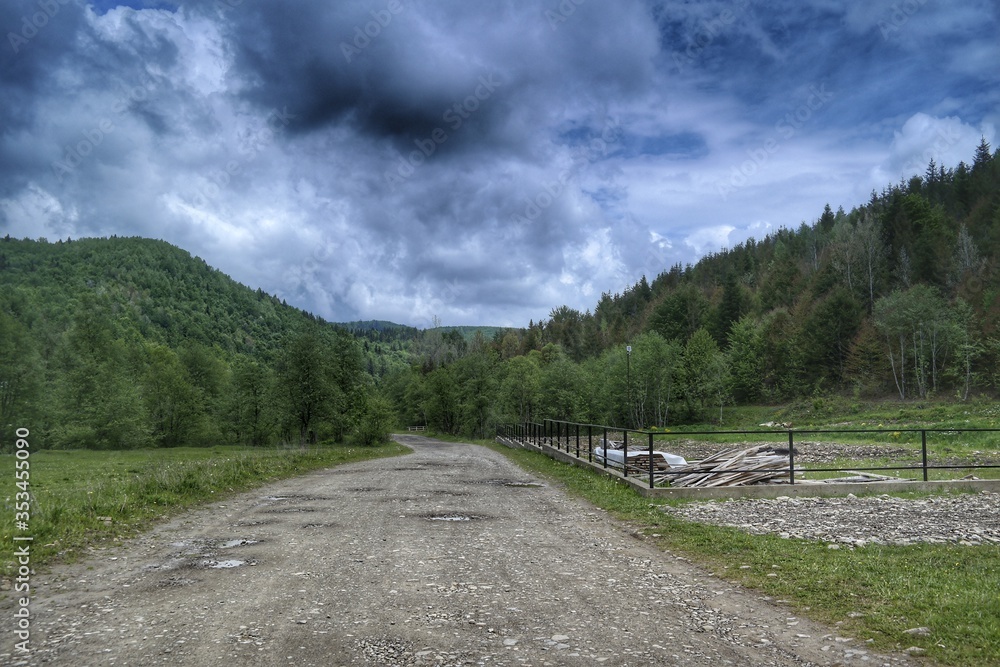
x,y
226,564
202,547
252,523
320,525
289,510
229,544
452,517
513,483
175,581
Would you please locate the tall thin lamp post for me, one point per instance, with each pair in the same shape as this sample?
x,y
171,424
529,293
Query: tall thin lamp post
x,y
628,384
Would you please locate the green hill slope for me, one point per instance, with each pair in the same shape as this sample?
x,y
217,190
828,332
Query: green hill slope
x,y
128,342
171,296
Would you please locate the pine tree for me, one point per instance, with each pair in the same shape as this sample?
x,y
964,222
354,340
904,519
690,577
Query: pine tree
x,y
983,156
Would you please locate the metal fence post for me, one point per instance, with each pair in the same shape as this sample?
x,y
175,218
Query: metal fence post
x,y
577,441
625,456
590,443
791,458
604,447
923,450
650,460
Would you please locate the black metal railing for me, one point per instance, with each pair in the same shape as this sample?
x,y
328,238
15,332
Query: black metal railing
x,y
569,437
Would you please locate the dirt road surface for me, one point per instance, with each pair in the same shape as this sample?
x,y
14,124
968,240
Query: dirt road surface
x,y
448,556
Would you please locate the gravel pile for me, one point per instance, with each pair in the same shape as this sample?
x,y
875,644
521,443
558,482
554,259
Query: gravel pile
x,y
967,519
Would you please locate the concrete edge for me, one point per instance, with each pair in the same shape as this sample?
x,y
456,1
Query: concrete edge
x,y
762,490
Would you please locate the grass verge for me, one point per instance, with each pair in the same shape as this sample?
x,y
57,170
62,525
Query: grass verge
x,y
83,499
876,592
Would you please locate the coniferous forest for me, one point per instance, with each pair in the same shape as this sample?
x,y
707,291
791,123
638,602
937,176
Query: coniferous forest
x,y
128,342
898,299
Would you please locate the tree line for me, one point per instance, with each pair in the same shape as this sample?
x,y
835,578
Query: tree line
x,y
898,298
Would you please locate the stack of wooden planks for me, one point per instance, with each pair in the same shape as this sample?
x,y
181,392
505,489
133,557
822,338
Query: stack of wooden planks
x,y
732,467
640,462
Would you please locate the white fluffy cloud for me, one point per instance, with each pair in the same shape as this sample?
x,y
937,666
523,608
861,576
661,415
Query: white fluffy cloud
x,y
922,138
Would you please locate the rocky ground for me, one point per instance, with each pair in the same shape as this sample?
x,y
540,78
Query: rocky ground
x,y
448,556
966,519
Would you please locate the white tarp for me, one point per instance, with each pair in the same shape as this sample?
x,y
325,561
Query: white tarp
x,y
617,456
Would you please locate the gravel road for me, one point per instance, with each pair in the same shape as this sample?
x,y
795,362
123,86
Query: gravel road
x,y
448,556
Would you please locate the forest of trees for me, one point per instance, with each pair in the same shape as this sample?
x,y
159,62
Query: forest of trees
x,y
897,299
126,342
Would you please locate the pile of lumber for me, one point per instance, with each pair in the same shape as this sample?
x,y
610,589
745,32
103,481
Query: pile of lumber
x,y
732,467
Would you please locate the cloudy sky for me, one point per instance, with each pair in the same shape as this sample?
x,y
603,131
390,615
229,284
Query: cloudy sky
x,y
481,162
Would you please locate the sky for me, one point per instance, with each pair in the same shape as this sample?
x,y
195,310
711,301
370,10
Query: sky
x,y
471,162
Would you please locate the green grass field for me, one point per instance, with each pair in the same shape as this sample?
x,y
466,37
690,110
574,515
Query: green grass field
x,y
92,498
876,592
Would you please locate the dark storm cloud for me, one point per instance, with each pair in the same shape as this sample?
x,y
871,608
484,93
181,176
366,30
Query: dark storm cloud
x,y
481,162
403,69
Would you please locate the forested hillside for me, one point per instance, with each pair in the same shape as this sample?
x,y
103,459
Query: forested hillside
x,y
128,342
897,299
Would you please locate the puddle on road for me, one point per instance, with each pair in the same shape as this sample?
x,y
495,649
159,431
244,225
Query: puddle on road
x,y
223,564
